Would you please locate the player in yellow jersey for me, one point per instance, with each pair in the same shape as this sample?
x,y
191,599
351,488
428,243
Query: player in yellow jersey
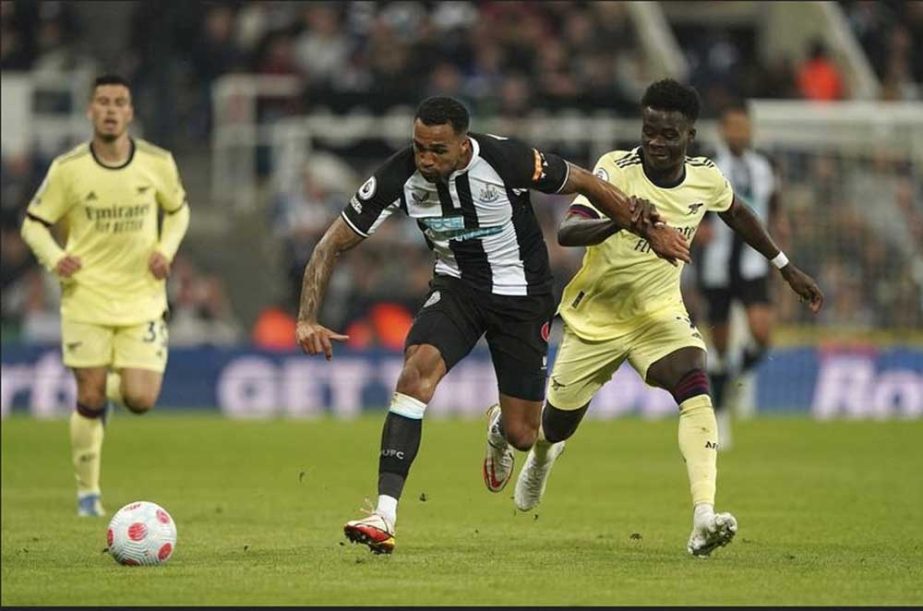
x,y
107,194
625,303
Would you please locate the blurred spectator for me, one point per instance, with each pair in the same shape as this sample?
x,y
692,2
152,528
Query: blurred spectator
x,y
16,264
891,34
507,60
200,312
322,49
300,218
818,77
214,53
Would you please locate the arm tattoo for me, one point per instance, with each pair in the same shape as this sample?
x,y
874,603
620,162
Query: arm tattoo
x,y
338,239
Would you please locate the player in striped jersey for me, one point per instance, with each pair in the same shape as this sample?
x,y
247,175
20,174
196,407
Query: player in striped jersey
x,y
625,303
469,194
729,270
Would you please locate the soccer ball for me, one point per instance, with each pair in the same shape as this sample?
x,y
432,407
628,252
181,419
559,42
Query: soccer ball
x,y
141,533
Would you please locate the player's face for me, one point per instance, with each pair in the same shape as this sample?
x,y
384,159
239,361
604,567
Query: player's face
x,y
665,135
110,111
735,129
438,150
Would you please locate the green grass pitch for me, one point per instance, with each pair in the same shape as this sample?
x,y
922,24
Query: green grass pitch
x,y
830,514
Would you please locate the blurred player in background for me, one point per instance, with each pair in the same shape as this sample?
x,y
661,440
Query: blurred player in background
x,y
625,303
469,194
729,270
106,194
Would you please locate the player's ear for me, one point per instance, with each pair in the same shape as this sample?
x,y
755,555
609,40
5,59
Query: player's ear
x,y
692,133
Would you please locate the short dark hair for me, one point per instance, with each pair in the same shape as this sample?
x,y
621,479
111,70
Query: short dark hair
x,y
669,94
110,79
439,110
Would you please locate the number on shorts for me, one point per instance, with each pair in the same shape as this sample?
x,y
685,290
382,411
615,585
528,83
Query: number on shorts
x,y
151,334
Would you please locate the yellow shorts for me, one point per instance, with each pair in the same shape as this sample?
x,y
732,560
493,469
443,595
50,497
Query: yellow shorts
x,y
142,346
581,367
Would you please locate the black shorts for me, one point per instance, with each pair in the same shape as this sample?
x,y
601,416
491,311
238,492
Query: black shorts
x,y
455,316
748,292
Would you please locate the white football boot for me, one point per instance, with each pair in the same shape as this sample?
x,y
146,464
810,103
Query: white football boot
x,y
530,485
374,530
499,457
710,531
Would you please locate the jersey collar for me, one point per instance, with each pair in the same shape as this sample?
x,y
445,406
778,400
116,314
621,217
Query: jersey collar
x,y
667,185
475,154
131,155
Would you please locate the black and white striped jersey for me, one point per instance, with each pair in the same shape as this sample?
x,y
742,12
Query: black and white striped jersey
x,y
727,256
479,224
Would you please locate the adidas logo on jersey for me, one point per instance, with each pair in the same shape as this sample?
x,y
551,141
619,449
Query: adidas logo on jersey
x,y
91,196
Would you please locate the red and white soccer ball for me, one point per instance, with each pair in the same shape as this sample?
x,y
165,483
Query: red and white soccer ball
x,y
141,533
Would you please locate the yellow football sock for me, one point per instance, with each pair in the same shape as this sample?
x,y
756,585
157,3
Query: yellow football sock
x,y
698,441
114,388
86,447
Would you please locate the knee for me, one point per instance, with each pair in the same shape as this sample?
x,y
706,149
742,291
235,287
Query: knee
x,y
560,424
92,398
692,383
417,384
419,380
139,403
521,435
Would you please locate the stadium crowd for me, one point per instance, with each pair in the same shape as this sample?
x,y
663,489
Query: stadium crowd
x,y
501,58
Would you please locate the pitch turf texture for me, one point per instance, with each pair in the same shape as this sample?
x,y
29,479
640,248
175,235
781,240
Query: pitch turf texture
x,y
829,514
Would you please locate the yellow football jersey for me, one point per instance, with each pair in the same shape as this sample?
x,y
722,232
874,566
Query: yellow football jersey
x,y
622,282
111,218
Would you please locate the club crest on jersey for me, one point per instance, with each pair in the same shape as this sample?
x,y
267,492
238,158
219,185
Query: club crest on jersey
x,y
488,194
367,190
602,174
694,208
433,299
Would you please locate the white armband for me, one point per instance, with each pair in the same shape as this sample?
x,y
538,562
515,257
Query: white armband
x,y
780,260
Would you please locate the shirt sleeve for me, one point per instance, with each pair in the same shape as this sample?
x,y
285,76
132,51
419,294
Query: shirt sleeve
x,y
605,169
51,201
722,193
380,195
171,196
525,167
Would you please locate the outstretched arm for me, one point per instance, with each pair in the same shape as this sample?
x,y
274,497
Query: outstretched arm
x,y
608,198
579,230
743,221
313,337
